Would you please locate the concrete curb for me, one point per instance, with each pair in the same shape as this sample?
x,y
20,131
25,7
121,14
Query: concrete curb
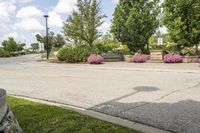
x,y
116,120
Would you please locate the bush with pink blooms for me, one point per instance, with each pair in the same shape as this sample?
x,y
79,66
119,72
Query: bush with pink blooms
x,y
199,60
170,58
94,59
140,58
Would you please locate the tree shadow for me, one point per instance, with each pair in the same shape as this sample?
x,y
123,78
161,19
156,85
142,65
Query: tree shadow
x,y
180,117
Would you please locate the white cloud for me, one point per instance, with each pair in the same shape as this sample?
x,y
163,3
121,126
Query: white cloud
x,y
24,1
29,11
55,20
5,28
115,1
105,27
12,34
65,6
37,32
29,24
6,9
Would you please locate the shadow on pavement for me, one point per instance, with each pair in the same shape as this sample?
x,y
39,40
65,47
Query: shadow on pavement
x,y
180,117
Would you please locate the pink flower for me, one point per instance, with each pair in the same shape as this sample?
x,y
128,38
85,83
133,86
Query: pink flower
x,y
93,59
169,58
199,60
140,58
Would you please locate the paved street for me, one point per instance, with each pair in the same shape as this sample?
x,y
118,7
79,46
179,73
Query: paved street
x,y
166,96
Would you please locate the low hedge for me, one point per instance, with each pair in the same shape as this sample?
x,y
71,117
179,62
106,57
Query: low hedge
x,y
4,53
74,54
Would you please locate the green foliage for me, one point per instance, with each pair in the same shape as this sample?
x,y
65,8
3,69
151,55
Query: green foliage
x,y
153,40
4,53
189,52
40,118
134,22
81,26
10,45
103,48
43,40
106,43
20,46
35,46
122,50
182,18
11,48
59,41
74,54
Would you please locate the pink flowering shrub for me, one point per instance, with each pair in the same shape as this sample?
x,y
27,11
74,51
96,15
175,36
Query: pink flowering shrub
x,y
199,60
93,59
140,58
169,58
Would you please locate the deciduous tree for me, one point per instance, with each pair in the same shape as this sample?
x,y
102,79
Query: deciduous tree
x,y
135,21
182,18
82,25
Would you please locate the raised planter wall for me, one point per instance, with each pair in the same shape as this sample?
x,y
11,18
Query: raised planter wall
x,y
156,56
190,59
113,60
127,58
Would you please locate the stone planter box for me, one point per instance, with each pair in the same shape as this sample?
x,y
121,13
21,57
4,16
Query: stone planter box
x,y
156,56
127,58
190,59
112,60
8,123
112,57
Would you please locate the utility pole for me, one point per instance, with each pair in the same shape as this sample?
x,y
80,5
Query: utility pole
x,y
47,32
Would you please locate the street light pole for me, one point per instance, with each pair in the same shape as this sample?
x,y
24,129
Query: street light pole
x,y
47,32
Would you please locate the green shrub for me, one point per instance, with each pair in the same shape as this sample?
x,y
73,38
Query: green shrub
x,y
103,48
13,54
4,53
74,54
122,50
22,53
189,52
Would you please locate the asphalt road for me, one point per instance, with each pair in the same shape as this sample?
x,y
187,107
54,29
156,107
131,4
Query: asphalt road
x,y
161,95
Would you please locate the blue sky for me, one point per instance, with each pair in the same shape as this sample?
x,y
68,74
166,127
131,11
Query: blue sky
x,y
22,19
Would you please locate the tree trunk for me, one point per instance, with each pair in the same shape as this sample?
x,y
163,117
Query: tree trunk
x,y
197,51
148,47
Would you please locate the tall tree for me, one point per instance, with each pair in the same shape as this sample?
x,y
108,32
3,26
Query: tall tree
x,y
42,39
35,46
135,21
59,41
10,45
81,26
182,18
20,46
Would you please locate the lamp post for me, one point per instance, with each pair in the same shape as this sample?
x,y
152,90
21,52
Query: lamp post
x,y
47,32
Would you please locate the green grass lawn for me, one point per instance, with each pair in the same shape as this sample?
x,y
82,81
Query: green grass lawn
x,y
39,118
